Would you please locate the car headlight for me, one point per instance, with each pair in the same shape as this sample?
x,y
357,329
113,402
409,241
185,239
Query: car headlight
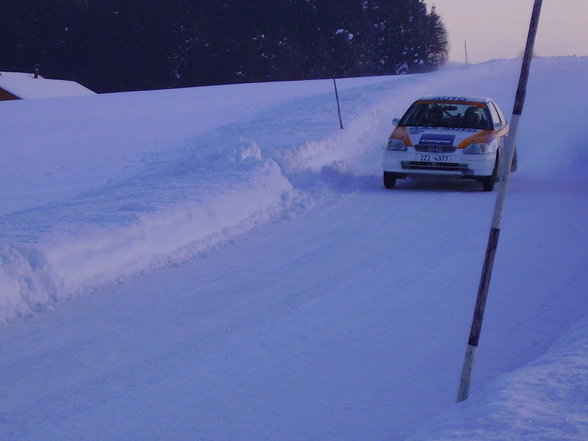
x,y
478,148
396,144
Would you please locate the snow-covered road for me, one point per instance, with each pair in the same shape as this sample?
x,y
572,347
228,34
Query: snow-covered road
x,y
342,314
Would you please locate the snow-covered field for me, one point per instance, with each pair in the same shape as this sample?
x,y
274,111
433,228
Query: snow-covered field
x,y
223,263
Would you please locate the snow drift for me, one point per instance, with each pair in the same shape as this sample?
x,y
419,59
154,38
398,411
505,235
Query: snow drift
x,y
151,192
128,188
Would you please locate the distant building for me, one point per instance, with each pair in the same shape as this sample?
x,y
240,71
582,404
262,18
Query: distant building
x,y
18,86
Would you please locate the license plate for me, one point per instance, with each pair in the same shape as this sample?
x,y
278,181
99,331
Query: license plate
x,y
433,158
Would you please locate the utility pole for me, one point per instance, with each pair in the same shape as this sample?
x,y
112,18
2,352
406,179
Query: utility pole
x,y
505,167
465,44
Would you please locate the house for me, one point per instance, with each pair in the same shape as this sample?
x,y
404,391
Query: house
x,y
18,85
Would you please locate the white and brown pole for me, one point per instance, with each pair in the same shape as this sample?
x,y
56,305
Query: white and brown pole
x,y
505,166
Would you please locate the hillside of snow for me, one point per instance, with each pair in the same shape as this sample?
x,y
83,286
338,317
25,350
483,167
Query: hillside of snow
x,y
223,263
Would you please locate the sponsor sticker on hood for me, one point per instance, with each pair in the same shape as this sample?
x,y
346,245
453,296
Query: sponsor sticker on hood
x,y
437,139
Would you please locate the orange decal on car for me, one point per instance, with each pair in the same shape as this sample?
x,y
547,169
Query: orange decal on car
x,y
483,136
402,134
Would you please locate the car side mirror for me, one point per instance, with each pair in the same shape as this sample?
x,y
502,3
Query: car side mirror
x,y
395,122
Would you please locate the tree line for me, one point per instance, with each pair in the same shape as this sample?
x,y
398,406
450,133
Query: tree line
x,y
117,45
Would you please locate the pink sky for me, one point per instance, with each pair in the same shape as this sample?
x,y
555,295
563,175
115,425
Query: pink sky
x,y
498,28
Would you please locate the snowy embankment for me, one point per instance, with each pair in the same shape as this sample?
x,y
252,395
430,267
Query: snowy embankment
x,y
97,189
105,187
543,400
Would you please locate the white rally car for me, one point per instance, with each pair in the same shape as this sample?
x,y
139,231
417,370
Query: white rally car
x,y
447,136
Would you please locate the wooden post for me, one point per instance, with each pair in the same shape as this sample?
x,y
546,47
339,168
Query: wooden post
x,y
505,165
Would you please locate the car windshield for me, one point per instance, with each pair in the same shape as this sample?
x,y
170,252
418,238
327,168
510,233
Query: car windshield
x,y
447,114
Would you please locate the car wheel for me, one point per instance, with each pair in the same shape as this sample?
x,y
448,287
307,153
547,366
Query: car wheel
x,y
489,181
389,180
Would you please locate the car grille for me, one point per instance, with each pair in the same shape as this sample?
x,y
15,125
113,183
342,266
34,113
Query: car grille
x,y
435,148
446,166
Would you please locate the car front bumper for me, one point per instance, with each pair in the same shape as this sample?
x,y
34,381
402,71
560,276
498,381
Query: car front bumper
x,y
457,163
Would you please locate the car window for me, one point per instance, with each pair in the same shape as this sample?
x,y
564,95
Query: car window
x,y
447,114
495,115
500,113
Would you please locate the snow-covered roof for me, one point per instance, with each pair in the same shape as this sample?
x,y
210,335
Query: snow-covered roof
x,y
26,86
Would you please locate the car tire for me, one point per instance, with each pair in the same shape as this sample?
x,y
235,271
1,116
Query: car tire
x,y
389,180
489,181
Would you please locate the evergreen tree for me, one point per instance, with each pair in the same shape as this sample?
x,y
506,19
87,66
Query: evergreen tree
x,y
113,45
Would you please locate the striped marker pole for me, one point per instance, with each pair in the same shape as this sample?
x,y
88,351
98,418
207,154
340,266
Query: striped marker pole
x,y
505,165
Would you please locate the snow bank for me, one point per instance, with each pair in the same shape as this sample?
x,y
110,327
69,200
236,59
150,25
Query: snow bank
x,y
78,256
544,400
142,186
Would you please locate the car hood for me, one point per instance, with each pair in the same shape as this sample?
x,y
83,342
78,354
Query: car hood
x,y
442,136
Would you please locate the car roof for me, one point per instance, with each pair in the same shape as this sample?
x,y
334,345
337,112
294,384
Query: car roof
x,y
451,98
